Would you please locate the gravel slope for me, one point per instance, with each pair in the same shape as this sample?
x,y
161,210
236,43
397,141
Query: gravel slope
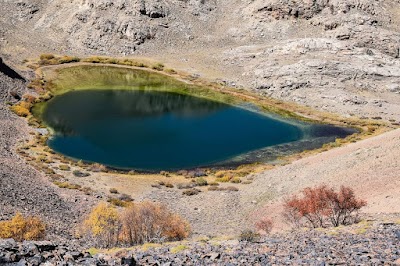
x,y
24,189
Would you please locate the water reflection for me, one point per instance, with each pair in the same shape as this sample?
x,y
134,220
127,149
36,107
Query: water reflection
x,y
68,113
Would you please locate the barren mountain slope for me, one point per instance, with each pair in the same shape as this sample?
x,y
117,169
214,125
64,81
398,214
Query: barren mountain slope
x,y
22,188
340,56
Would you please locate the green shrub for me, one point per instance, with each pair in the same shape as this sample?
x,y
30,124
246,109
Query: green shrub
x,y
68,59
236,180
201,181
64,167
113,191
67,185
78,173
46,56
158,67
169,185
191,192
248,235
119,202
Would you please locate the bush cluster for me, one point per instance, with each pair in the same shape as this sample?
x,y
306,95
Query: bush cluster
x,y
23,228
137,224
322,206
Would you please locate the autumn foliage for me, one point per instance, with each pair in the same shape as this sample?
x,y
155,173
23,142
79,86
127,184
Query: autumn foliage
x,y
138,223
23,228
322,206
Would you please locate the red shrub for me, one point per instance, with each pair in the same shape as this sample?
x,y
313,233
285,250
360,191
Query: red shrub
x,y
265,224
322,205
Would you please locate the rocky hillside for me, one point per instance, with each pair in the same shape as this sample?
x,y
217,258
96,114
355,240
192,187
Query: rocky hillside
x,y
378,245
342,54
22,188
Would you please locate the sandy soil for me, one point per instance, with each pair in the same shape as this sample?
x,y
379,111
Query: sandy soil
x,y
371,167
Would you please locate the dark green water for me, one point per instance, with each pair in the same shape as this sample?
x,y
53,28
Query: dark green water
x,y
150,130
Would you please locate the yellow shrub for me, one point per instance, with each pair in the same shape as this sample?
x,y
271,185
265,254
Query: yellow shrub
x,y
46,56
226,178
20,110
103,223
68,59
21,228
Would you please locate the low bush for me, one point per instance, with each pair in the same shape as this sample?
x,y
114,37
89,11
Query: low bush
x,y
118,202
23,228
114,191
29,98
201,181
46,56
20,110
236,180
170,71
248,235
185,185
322,206
78,173
125,197
67,185
68,59
191,192
265,225
169,185
158,67
64,167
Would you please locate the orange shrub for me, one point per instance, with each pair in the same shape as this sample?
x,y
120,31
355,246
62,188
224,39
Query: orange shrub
x,y
21,228
152,222
321,205
29,98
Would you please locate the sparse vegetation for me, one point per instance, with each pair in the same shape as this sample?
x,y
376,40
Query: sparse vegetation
x,y
191,192
201,181
67,185
113,191
64,167
178,248
78,173
265,225
248,235
158,67
118,202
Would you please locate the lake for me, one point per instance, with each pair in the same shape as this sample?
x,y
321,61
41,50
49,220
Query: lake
x,y
133,119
